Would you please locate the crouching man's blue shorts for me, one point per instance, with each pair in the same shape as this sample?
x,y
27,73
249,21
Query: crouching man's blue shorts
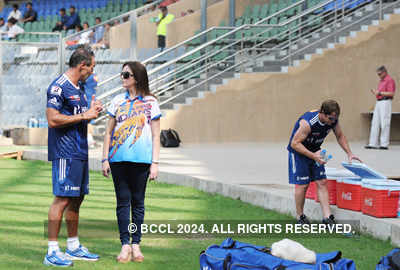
x,y
303,170
70,177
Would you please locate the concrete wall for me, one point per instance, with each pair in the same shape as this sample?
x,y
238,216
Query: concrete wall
x,y
120,36
181,28
147,30
264,107
29,136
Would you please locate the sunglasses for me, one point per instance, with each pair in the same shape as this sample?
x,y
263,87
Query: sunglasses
x,y
126,75
331,118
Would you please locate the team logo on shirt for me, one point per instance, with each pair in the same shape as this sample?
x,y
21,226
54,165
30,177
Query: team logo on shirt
x,y
132,125
55,90
54,101
75,97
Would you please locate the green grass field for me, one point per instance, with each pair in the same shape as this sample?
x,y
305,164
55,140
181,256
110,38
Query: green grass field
x,y
25,195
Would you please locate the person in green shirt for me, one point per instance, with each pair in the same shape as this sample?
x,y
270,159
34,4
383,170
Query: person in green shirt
x,y
163,19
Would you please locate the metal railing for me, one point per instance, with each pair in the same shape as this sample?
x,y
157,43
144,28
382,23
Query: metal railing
x,y
26,65
221,51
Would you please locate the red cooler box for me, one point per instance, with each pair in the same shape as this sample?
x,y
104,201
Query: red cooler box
x,y
380,198
331,174
311,191
331,191
348,193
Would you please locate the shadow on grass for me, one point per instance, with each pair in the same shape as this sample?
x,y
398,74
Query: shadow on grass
x,y
47,195
29,211
21,176
157,194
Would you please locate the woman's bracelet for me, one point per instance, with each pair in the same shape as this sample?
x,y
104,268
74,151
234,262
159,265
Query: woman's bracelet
x,y
104,160
155,161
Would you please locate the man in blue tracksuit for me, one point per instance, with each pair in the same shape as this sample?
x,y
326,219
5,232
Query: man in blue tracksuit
x,y
68,115
304,149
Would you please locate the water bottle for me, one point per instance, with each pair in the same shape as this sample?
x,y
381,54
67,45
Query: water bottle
x,y
44,122
324,156
33,122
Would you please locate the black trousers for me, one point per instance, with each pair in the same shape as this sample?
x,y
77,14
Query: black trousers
x,y
130,180
161,42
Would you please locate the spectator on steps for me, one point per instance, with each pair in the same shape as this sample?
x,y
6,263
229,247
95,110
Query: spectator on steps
x,y
63,20
163,19
73,19
15,13
98,33
72,43
382,112
85,36
30,14
13,29
104,43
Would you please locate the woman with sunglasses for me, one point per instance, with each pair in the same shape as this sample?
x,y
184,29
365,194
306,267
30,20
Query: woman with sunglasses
x,y
131,152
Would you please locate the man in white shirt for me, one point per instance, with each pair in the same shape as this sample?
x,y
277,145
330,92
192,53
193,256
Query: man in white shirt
x,y
13,29
16,14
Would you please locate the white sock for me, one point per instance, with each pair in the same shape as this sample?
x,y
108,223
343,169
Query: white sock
x,y
73,243
52,246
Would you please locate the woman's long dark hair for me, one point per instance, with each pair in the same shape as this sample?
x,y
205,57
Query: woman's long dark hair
x,y
140,74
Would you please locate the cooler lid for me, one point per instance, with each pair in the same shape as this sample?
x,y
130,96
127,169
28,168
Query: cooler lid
x,y
363,170
351,180
336,173
379,184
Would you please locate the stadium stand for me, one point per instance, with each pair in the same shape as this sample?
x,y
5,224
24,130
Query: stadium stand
x,y
88,10
28,68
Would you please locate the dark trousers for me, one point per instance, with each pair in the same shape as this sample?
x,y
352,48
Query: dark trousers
x,y
161,42
130,181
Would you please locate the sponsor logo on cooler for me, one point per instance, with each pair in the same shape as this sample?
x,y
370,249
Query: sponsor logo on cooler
x,y
368,202
346,196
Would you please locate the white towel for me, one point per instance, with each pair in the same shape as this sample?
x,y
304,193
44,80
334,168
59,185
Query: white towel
x,y
291,250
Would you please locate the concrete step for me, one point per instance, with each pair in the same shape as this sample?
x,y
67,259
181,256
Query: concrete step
x,y
170,106
217,79
269,68
227,74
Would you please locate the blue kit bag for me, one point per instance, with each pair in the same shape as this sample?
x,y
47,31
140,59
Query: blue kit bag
x,y
235,255
390,261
